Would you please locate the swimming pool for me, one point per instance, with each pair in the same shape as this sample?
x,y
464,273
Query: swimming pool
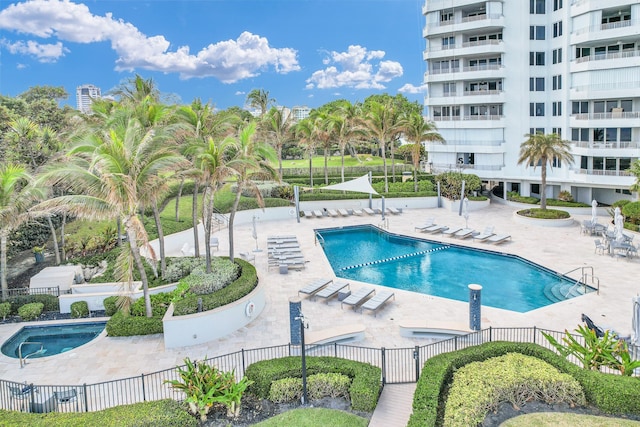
x,y
369,254
55,339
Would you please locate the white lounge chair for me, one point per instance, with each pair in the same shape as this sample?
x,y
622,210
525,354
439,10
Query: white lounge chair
x,y
435,229
358,297
332,290
488,232
464,233
332,212
343,212
248,256
451,231
315,286
428,223
394,211
318,213
498,238
377,301
357,212
369,211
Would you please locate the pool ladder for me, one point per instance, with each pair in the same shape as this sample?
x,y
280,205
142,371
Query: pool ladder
x,y
586,273
320,239
23,360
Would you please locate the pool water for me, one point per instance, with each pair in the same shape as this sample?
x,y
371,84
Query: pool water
x,y
368,254
56,339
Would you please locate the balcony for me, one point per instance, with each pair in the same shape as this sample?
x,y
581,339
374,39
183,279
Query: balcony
x,y
628,58
601,172
464,49
485,22
607,116
599,145
613,90
621,30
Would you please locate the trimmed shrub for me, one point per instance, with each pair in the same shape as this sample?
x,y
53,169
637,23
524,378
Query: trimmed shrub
x,y
120,325
365,386
242,286
159,304
318,386
5,309
544,213
222,273
178,268
610,393
110,305
49,302
79,309
30,311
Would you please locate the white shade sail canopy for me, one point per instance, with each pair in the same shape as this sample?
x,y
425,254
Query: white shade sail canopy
x,y
359,185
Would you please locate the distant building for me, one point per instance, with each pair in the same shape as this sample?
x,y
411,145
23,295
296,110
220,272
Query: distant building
x,y
299,113
85,95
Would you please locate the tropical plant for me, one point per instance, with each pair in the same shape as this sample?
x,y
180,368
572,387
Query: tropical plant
x,y
259,98
341,123
451,184
417,130
305,130
635,171
17,194
278,126
543,150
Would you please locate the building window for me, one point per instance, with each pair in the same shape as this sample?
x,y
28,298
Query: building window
x,y
536,109
536,84
557,131
536,7
557,29
536,32
557,108
449,88
557,4
535,188
536,58
557,82
448,42
557,56
446,16
579,107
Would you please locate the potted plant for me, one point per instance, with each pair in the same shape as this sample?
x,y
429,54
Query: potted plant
x,y
38,252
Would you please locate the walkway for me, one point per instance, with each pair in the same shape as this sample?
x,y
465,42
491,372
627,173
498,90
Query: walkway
x,y
394,406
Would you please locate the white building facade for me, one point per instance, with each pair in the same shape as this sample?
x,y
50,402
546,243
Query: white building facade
x,y
85,94
497,70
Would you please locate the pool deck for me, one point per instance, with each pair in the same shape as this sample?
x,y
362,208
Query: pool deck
x,y
560,249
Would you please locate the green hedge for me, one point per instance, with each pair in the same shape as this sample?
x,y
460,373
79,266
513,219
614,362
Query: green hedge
x,y
79,309
242,286
610,393
49,302
365,386
110,305
30,311
166,413
120,325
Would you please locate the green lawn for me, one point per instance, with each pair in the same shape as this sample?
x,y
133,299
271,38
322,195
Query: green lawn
x,y
313,417
554,419
334,161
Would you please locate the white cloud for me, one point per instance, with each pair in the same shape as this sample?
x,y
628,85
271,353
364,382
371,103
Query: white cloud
x,y
42,52
356,68
409,88
229,60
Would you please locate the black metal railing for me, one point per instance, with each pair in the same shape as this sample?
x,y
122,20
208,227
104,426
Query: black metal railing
x,y
398,365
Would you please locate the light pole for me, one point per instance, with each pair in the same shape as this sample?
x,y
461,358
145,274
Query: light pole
x,y
303,326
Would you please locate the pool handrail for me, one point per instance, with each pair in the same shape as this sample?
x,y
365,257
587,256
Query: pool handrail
x,y
23,360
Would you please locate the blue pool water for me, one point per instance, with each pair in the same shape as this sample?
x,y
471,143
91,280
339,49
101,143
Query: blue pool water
x,y
55,338
368,254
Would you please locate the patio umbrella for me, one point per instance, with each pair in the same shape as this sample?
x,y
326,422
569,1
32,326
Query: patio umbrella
x,y
619,223
465,212
635,335
594,211
254,233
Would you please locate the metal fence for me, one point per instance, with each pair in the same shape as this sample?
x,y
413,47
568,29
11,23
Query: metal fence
x,y
55,291
398,365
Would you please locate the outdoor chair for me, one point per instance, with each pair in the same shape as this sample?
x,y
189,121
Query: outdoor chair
x,y
19,395
599,246
214,243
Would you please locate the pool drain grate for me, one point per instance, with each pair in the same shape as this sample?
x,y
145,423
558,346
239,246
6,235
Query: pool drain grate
x,y
395,258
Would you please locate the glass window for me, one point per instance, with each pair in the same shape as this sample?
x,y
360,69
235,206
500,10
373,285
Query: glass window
x,y
611,134
583,162
626,104
539,58
539,84
539,109
598,163
575,134
611,105
557,4
625,134
584,134
540,32
598,135
625,163
598,107
611,164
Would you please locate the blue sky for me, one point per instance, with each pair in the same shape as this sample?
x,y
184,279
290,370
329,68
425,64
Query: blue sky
x,y
304,52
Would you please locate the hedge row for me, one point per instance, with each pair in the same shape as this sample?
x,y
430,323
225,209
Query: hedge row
x,y
613,394
49,302
166,413
366,383
242,286
120,325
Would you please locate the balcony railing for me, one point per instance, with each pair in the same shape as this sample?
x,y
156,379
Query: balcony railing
x,y
605,56
481,92
474,117
604,27
607,116
453,142
457,166
596,145
607,86
438,47
488,67
600,172
466,19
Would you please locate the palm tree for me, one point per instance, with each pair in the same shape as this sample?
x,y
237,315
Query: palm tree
x,y
305,131
259,98
136,89
542,149
417,131
109,173
635,171
341,124
278,128
383,124
17,194
251,159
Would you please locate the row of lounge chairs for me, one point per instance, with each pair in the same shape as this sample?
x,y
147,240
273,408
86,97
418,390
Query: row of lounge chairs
x,y
319,213
365,298
487,235
284,252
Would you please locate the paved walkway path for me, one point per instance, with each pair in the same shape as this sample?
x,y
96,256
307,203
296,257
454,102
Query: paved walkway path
x,y
394,406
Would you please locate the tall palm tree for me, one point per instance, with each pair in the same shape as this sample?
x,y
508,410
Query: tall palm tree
x,y
324,138
305,131
259,98
251,159
136,89
17,194
417,130
542,149
278,126
383,124
109,173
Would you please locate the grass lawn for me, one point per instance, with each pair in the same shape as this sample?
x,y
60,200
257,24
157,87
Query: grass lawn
x,y
312,417
555,419
335,161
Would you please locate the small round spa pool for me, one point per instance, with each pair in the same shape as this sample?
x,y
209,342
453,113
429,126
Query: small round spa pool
x,y
53,339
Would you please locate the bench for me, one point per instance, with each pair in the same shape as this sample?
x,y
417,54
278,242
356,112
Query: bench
x,y
422,329
339,334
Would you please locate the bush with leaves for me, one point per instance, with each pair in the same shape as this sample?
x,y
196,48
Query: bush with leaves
x,y
79,309
178,268
30,311
222,273
204,385
451,184
5,309
318,386
631,212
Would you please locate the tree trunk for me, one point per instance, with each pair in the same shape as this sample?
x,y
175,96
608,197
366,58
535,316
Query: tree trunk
x,y
178,199
232,215
311,170
342,160
156,218
62,237
3,264
56,248
280,161
326,168
119,230
194,219
135,251
384,165
207,213
543,185
415,179
393,161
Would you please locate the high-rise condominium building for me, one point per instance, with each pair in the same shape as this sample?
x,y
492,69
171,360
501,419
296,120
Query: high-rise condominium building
x,y
85,95
497,70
